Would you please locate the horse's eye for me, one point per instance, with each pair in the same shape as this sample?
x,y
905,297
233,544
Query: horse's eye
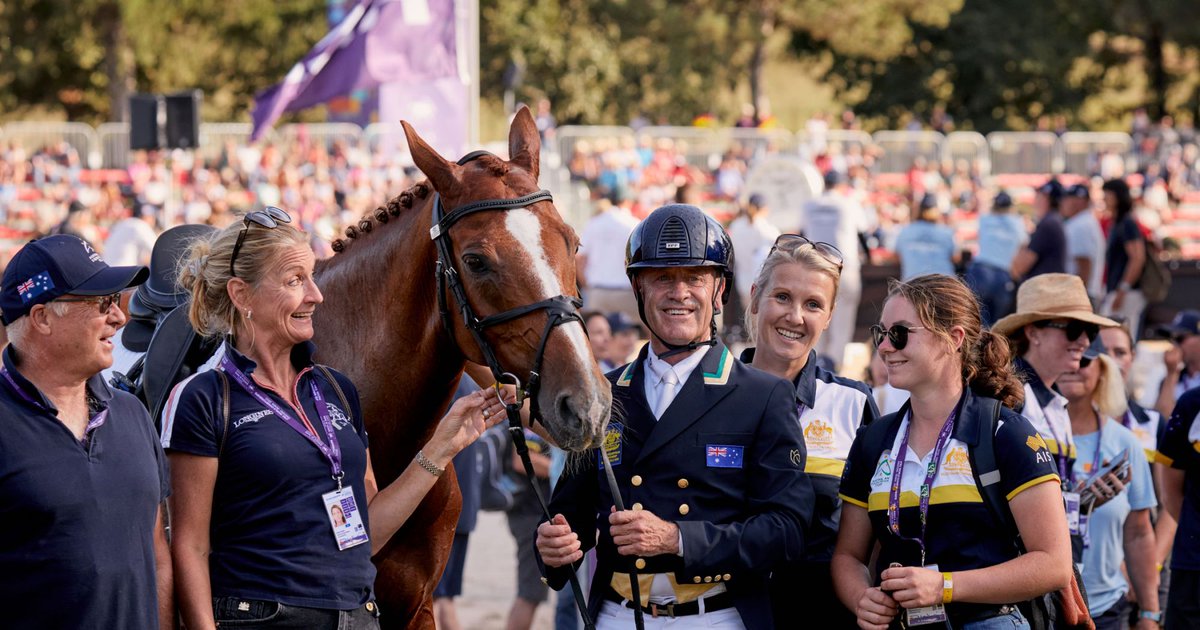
x,y
475,263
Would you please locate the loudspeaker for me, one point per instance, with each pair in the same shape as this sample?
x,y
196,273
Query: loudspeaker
x,y
183,120
143,121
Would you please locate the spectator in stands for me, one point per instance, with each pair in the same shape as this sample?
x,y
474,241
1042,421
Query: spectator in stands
x,y
600,337
1085,240
1182,360
1047,248
752,234
1179,448
523,518
601,260
1124,258
837,218
1001,234
546,124
626,335
925,246
131,240
887,398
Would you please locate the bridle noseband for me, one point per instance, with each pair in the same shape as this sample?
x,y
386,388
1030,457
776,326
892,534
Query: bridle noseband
x,y
560,309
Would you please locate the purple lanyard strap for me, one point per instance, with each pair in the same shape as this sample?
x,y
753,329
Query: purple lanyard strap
x,y
1065,472
331,451
893,512
94,422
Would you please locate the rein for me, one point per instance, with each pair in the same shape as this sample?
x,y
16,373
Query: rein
x,y
560,309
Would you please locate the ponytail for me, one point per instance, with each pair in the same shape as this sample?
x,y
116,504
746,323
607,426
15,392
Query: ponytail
x,y
989,372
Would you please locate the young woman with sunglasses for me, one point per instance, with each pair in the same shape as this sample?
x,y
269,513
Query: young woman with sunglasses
x,y
263,448
945,558
791,305
1116,526
1053,325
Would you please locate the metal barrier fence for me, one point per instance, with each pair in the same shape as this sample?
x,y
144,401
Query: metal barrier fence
x,y
1003,152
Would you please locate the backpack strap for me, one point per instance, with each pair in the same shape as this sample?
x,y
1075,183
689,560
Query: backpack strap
x,y
337,388
224,411
987,471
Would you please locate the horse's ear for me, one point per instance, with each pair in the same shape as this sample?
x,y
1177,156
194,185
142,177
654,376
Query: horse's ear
x,y
441,173
524,143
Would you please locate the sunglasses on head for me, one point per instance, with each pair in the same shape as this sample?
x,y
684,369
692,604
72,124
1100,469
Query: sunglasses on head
x,y
792,242
1072,329
897,334
269,217
105,302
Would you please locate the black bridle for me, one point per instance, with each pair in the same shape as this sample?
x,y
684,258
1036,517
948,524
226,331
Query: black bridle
x,y
560,310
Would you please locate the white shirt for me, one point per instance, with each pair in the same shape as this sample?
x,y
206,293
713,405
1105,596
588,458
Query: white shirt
x,y
129,243
837,219
1085,239
751,241
603,243
1052,422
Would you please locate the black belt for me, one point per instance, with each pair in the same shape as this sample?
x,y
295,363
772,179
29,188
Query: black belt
x,y
720,601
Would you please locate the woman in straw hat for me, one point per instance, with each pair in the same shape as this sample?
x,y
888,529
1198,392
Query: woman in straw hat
x,y
1052,327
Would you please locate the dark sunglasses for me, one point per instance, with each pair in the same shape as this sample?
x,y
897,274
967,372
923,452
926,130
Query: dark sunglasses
x,y
1072,329
897,334
793,242
269,217
105,302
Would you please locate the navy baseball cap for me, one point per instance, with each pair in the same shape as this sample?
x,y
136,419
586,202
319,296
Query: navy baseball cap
x,y
618,321
1078,190
1052,189
1185,323
49,268
757,200
1002,200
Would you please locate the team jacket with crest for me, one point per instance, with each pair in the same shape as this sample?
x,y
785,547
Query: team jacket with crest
x,y
831,410
725,463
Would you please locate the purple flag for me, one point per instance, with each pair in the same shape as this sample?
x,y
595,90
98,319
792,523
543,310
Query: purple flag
x,y
379,41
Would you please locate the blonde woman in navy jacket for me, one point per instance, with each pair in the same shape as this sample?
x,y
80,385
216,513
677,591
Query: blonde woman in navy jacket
x,y
791,305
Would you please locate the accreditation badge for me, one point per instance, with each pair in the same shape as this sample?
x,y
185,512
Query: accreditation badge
x,y
345,518
1071,499
927,614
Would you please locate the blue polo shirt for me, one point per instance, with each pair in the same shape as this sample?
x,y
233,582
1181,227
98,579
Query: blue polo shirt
x,y
924,248
961,532
1180,448
77,522
271,536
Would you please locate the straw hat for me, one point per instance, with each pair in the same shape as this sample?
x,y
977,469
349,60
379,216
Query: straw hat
x,y
1051,296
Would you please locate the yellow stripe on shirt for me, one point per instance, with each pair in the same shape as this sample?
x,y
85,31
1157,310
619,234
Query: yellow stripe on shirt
x,y
941,495
1031,483
852,501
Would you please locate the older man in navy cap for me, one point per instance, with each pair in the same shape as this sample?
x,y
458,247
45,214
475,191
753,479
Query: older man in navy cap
x,y
82,477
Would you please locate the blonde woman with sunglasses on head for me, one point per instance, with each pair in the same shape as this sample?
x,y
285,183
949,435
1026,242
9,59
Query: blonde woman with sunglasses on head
x,y
791,306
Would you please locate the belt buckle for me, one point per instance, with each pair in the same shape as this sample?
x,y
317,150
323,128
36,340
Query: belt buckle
x,y
668,608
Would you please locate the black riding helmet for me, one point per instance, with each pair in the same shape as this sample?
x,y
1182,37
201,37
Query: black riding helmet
x,y
680,235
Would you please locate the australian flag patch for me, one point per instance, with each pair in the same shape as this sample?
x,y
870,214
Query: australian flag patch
x,y
724,456
35,286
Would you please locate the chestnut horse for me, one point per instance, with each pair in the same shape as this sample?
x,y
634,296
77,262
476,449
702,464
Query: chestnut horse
x,y
380,324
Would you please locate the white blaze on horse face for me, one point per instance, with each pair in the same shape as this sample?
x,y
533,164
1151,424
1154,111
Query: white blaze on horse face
x,y
525,227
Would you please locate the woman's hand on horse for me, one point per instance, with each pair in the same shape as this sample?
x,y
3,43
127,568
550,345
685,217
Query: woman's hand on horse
x,y
466,420
557,544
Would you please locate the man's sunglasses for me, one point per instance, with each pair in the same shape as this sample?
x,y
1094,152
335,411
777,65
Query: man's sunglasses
x,y
1072,329
897,334
105,302
792,242
269,217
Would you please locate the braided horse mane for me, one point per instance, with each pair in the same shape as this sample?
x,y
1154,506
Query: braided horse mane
x,y
404,201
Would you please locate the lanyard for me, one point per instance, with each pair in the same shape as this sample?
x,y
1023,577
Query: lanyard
x,y
1099,439
893,512
1065,472
332,451
92,424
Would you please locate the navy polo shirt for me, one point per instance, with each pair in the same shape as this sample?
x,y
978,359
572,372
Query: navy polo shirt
x,y
270,534
77,522
1180,448
961,533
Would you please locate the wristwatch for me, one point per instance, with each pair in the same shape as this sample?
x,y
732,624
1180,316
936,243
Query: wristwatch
x,y
1152,615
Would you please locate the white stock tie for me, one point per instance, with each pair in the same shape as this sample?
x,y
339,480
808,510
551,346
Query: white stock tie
x,y
666,392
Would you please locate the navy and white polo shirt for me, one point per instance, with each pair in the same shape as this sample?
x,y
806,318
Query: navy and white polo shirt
x,y
77,520
271,538
831,409
1180,448
961,534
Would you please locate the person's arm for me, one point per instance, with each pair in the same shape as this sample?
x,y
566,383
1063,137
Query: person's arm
x,y
1166,526
1022,263
541,464
1173,361
163,574
193,478
1140,558
1083,269
463,424
1135,249
851,575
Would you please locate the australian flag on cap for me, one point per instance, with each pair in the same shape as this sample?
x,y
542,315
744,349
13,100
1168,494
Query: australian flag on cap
x,y
35,286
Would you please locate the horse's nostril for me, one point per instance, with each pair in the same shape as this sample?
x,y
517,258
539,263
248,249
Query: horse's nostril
x,y
565,414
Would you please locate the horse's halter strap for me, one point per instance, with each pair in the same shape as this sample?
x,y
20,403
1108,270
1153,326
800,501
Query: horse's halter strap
x,y
560,309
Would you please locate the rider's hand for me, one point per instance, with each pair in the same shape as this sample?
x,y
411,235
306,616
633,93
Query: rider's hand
x,y
641,533
557,544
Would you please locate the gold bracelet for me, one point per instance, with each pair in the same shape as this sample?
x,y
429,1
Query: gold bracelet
x,y
429,466
947,587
